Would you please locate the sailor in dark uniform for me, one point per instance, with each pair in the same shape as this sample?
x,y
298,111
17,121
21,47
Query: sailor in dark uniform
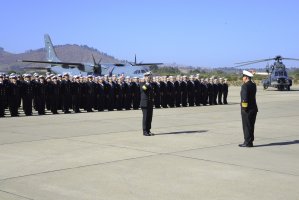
x,y
177,92
170,92
54,94
157,97
183,86
190,90
14,94
211,91
89,92
163,92
40,95
146,103
225,91
216,90
197,91
135,91
27,94
220,91
127,94
100,94
66,93
3,95
76,90
248,108
204,91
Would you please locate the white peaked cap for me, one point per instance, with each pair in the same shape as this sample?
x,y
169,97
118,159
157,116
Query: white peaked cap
x,y
247,73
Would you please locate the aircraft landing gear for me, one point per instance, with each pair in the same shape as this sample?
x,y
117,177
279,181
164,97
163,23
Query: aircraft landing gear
x,y
265,87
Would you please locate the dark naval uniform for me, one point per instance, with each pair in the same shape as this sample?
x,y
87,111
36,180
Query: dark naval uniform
x,y
66,95
146,105
14,94
27,96
225,92
248,112
3,96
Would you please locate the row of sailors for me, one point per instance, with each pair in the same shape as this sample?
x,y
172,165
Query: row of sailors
x,y
104,93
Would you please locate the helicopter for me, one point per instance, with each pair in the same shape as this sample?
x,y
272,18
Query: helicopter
x,y
277,75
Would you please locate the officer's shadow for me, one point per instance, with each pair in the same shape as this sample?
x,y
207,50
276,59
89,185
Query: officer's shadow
x,y
278,143
182,132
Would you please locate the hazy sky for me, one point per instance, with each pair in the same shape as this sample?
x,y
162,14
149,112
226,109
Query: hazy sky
x,y
211,33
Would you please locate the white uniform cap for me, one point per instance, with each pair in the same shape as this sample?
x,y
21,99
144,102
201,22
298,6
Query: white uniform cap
x,y
147,73
247,73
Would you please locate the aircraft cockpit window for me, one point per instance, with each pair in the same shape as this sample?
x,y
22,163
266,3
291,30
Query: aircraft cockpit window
x,y
143,71
137,72
276,73
281,73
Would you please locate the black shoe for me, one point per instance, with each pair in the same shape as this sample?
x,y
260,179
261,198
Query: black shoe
x,y
246,145
146,133
150,133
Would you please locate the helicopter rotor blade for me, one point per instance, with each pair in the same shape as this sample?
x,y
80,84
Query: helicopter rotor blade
x,y
249,63
261,60
291,59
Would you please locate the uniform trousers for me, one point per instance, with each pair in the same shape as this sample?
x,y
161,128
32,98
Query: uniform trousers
x,y
147,118
248,121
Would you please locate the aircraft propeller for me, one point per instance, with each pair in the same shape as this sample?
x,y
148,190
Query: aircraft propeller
x,y
97,68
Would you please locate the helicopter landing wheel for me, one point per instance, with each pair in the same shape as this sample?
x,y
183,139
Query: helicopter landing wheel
x,y
265,87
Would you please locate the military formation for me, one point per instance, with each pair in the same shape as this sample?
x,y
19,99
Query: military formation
x,y
63,93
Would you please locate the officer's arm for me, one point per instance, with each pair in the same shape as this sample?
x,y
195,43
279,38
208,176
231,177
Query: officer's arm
x,y
244,98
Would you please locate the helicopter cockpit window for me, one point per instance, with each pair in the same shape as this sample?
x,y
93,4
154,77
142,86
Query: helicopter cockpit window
x,y
137,72
276,73
143,71
281,73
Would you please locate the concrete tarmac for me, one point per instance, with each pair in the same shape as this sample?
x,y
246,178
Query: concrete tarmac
x,y
193,155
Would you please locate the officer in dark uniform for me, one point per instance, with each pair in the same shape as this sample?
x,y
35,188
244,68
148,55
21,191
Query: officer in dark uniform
x,y
146,103
248,108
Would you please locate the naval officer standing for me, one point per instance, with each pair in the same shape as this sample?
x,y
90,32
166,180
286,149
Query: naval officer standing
x,y
248,108
146,103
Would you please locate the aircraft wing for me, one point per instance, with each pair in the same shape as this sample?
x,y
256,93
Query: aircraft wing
x,y
70,64
144,64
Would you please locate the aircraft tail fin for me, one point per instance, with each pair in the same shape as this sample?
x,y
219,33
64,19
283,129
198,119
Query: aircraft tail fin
x,y
51,54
